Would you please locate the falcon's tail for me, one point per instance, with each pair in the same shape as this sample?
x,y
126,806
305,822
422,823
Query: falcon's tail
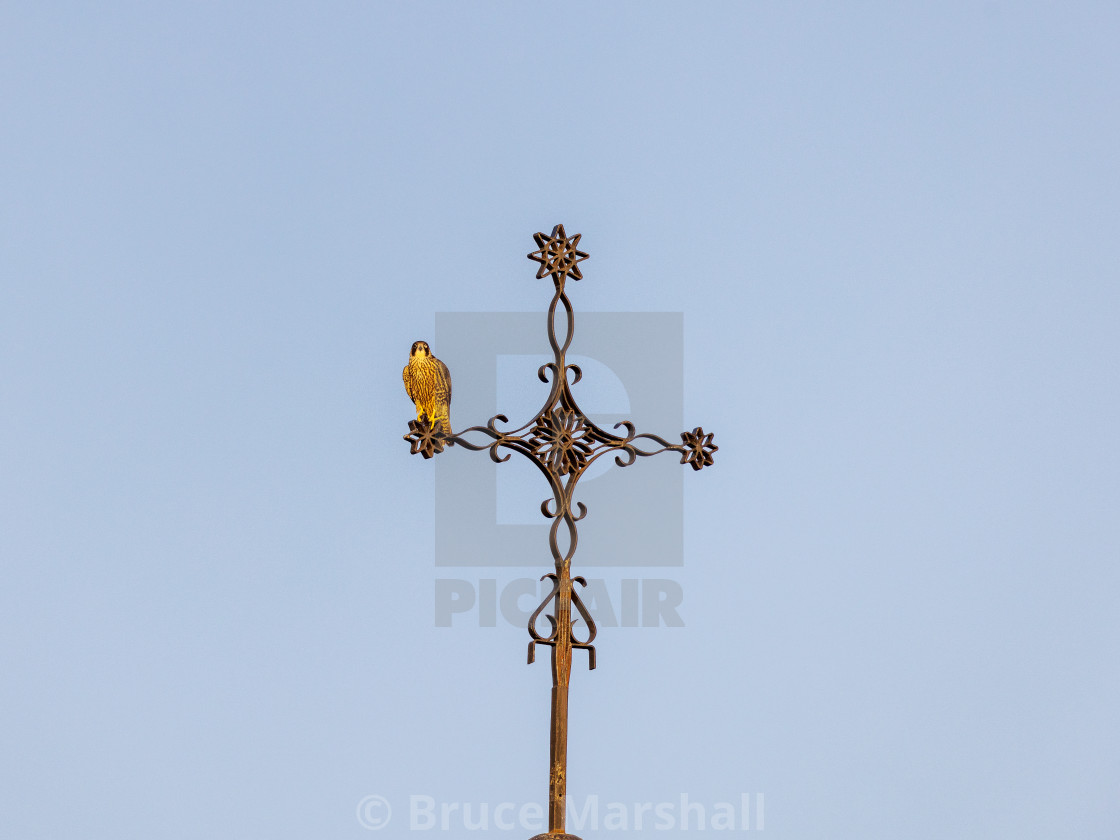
x,y
444,419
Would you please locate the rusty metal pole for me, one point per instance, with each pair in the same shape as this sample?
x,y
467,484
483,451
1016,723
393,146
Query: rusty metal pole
x,y
562,443
558,724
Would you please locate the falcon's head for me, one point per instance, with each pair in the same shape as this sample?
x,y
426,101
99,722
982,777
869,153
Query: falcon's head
x,y
420,348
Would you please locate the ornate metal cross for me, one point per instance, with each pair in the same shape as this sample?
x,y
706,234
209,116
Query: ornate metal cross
x,y
562,442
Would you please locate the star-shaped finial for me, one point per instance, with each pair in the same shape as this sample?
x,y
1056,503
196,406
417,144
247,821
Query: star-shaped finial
x,y
558,255
697,448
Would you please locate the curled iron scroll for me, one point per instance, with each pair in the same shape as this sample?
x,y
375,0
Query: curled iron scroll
x,y
554,631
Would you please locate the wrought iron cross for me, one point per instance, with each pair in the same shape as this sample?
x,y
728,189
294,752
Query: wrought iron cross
x,y
562,442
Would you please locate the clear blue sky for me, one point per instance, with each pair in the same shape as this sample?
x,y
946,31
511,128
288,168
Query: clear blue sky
x,y
892,232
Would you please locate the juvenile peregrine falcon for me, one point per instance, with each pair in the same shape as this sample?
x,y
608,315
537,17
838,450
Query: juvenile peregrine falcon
x,y
428,383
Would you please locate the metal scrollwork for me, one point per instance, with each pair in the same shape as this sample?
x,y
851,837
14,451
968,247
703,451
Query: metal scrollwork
x,y
562,442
